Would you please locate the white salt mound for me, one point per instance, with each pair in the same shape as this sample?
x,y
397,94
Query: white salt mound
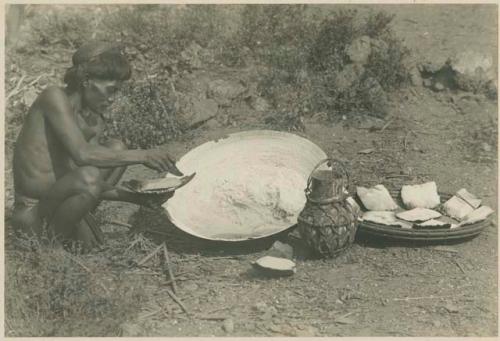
x,y
418,214
376,198
424,195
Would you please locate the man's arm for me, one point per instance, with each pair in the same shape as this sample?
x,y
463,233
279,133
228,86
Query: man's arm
x,y
59,113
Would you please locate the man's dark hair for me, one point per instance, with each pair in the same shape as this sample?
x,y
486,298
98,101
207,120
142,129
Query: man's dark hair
x,y
111,64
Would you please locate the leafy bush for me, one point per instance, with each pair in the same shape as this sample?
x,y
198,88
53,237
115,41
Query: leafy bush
x,y
146,116
332,83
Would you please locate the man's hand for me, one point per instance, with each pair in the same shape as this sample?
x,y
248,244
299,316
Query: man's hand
x,y
161,161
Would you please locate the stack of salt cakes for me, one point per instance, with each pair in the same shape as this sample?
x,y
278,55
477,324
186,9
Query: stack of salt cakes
x,y
422,207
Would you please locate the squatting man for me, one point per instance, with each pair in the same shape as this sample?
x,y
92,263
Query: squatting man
x,y
63,168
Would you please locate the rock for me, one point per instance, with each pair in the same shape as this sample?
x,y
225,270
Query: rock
x,y
423,195
376,198
491,90
474,71
427,83
376,96
127,329
379,47
305,331
451,308
224,91
258,103
359,50
190,57
474,64
280,249
260,307
436,324
486,147
275,266
350,74
438,86
190,287
228,325
415,77
196,111
431,67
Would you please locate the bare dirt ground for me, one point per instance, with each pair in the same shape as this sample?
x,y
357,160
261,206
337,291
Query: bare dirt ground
x,y
377,288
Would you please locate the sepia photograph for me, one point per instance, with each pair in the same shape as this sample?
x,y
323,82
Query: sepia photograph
x,y
251,170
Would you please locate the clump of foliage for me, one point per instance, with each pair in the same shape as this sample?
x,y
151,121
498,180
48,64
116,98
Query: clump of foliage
x,y
321,53
146,116
48,293
481,141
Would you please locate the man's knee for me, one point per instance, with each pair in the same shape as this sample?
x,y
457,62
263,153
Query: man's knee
x,y
90,179
115,144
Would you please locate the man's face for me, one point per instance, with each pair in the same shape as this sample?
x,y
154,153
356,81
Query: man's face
x,y
99,94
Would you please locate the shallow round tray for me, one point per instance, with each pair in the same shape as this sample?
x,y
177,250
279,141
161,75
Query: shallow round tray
x,y
189,208
394,232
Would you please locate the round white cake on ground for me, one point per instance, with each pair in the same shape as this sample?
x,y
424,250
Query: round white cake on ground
x,y
249,185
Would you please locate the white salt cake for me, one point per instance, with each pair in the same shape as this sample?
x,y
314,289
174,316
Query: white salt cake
x,y
477,215
471,199
457,208
418,214
275,265
423,196
376,198
433,223
385,218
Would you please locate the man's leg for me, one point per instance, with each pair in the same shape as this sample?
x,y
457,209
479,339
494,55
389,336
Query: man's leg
x,y
112,175
69,200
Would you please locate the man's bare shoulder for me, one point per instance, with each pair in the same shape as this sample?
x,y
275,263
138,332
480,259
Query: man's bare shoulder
x,y
53,97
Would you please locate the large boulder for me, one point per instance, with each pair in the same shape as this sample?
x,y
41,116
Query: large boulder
x,y
348,76
190,56
225,91
359,50
195,111
376,96
474,65
475,72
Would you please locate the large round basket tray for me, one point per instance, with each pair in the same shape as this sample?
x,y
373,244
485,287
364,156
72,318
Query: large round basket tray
x,y
395,232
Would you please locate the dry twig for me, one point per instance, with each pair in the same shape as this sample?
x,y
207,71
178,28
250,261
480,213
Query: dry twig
x,y
151,255
119,223
17,89
178,301
169,267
